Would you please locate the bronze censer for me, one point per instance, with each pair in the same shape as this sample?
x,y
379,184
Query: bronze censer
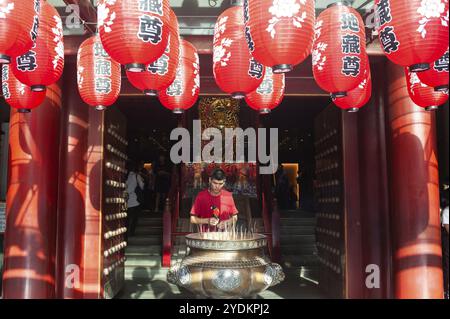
x,y
226,265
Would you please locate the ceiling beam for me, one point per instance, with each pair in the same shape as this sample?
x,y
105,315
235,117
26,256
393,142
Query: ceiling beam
x,y
204,44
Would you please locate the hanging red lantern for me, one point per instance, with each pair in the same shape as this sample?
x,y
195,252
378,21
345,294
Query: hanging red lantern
x,y
437,75
358,97
423,95
43,64
134,32
235,70
269,94
161,73
98,76
412,33
339,53
18,95
19,22
183,93
279,33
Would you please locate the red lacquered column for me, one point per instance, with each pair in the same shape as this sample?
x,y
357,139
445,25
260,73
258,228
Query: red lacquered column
x,y
72,190
29,265
414,193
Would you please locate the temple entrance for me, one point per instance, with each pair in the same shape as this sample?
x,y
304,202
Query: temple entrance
x,y
148,139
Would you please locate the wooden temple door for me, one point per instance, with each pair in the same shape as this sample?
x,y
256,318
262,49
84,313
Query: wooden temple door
x,y
92,210
113,215
337,198
91,203
329,201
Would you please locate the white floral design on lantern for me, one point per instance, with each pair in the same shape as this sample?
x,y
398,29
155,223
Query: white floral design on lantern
x,y
59,49
21,89
318,29
413,80
220,28
80,69
104,14
5,8
80,77
363,84
196,65
286,9
221,54
431,9
317,57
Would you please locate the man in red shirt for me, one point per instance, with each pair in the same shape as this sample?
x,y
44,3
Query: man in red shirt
x,y
214,208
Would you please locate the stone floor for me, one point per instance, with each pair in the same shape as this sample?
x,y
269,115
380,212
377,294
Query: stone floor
x,y
155,286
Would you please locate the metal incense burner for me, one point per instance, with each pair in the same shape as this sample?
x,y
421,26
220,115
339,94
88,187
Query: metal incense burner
x,y
226,265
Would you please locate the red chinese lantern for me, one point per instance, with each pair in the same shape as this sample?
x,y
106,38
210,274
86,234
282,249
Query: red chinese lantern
x,y
43,64
339,53
358,97
98,76
134,32
279,33
183,92
269,94
18,95
161,73
413,33
423,95
437,75
235,70
19,22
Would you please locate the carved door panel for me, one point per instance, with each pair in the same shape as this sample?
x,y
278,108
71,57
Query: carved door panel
x,y
114,215
329,200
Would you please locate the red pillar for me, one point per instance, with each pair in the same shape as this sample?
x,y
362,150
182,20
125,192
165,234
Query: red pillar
x,y
72,190
29,264
414,185
373,187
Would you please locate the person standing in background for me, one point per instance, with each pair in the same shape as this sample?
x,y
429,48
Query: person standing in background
x,y
135,185
162,182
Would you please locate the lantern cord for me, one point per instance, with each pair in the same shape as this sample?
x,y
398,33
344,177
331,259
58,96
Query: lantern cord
x,y
90,29
364,4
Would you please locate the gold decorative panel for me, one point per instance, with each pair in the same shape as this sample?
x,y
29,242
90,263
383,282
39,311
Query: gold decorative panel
x,y
218,112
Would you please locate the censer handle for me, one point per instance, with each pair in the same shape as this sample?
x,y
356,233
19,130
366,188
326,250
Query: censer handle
x,y
276,273
179,275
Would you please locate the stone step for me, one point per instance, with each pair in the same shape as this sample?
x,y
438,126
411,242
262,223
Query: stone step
x,y
298,249
297,222
294,261
144,272
148,230
143,260
145,240
298,229
297,239
153,289
146,221
150,250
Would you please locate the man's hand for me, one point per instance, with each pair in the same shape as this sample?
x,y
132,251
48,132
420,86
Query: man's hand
x,y
226,223
213,221
222,225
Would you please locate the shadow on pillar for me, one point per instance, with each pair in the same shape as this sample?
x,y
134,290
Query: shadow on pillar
x,y
414,194
30,237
